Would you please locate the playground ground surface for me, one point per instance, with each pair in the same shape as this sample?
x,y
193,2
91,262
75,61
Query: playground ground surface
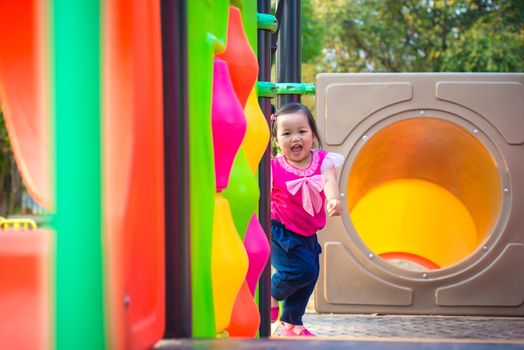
x,y
374,332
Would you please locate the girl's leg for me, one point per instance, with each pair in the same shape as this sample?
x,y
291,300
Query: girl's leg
x,y
275,310
274,302
295,305
297,272
284,279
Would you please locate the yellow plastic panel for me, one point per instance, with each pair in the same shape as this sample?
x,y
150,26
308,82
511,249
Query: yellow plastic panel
x,y
417,217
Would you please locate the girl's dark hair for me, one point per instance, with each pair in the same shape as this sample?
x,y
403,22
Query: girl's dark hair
x,y
294,107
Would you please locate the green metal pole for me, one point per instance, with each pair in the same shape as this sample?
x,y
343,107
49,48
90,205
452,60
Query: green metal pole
x,y
80,322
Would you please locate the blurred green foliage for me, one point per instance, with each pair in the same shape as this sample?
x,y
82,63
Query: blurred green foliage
x,y
415,35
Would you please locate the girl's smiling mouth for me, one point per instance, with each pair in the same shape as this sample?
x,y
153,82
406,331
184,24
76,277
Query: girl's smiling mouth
x,y
296,148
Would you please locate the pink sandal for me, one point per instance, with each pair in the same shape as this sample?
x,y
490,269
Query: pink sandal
x,y
274,313
290,332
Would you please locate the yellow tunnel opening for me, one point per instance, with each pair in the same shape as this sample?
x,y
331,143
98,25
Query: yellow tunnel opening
x,y
423,193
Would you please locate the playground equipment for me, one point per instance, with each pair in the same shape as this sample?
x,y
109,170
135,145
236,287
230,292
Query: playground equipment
x,y
107,158
431,223
146,242
23,72
25,288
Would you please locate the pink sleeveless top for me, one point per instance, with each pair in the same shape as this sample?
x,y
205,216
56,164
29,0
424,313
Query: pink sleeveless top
x,y
297,196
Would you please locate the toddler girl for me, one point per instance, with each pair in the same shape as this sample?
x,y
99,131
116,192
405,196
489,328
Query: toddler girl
x,y
303,182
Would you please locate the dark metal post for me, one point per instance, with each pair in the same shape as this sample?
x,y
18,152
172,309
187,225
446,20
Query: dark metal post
x,y
176,169
288,51
264,74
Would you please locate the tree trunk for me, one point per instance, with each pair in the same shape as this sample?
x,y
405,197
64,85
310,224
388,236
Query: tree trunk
x,y
11,189
4,175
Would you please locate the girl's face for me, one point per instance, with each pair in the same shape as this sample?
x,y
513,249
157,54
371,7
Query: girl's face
x,y
295,138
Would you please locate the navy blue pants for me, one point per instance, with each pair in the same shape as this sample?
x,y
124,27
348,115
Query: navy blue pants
x,y
296,261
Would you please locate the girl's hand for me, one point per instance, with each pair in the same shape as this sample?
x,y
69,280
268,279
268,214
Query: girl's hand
x,y
334,207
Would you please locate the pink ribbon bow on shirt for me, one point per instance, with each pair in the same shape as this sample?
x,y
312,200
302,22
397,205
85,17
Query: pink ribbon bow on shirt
x,y
311,188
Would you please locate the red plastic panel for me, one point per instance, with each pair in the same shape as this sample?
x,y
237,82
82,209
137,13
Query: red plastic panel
x,y
133,172
25,299
117,155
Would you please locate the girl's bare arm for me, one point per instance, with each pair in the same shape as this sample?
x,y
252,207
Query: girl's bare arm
x,y
333,203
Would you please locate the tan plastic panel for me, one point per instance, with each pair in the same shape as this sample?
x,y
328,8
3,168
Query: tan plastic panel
x,y
480,289
498,102
355,284
348,104
473,143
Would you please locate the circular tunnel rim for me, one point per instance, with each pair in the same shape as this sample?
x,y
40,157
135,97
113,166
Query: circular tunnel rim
x,y
485,135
